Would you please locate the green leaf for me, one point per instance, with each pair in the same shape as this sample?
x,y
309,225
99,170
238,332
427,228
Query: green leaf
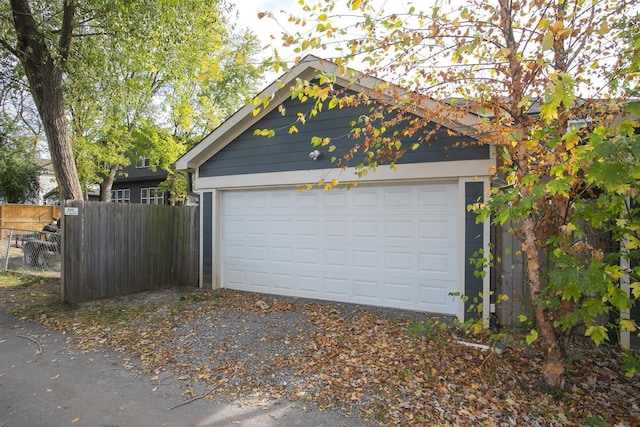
x,y
531,337
549,112
633,107
547,41
558,186
597,334
635,289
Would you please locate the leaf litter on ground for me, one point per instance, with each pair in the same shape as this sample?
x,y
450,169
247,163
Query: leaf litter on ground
x,y
389,367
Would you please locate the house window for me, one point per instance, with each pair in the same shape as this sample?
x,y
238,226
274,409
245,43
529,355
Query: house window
x,y
152,196
121,196
578,124
145,162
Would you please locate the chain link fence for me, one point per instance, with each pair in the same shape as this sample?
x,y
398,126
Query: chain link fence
x,y
29,251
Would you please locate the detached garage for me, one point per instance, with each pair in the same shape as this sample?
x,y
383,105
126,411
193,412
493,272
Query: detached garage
x,y
399,238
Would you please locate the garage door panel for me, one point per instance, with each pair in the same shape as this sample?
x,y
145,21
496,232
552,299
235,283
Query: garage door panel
x,y
236,253
336,259
399,294
398,198
282,255
283,283
281,228
307,200
309,285
440,230
335,199
235,228
257,228
434,296
307,228
436,264
308,257
398,230
235,277
365,200
336,288
399,261
438,199
258,281
391,246
365,229
367,292
336,228
365,260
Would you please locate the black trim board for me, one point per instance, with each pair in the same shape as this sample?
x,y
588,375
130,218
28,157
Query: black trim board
x,y
473,241
207,240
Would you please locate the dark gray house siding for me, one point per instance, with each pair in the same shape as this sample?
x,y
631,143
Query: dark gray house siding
x,y
251,153
136,178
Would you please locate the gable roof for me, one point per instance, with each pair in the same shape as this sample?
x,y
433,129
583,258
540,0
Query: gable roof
x,y
280,90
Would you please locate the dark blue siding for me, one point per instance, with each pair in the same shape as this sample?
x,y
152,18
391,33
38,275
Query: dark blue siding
x,y
473,240
288,152
207,239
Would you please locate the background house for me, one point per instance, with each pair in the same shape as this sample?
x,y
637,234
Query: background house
x,y
138,183
46,182
399,239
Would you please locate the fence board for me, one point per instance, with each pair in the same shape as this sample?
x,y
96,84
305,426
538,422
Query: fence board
x,y
27,217
113,249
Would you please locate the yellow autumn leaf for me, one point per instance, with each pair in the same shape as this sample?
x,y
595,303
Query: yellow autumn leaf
x,y
604,28
628,325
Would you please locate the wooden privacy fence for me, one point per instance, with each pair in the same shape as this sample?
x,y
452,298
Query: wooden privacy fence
x,y
27,217
113,249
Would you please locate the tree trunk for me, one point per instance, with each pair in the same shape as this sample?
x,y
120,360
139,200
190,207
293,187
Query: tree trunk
x,y
106,185
553,371
51,109
45,84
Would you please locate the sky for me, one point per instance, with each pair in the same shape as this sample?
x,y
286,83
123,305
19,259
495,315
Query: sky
x,y
248,16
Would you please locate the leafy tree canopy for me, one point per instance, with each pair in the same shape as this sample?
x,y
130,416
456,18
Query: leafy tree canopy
x,y
18,171
544,81
140,64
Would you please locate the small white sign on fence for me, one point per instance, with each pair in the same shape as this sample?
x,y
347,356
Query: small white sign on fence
x,y
71,211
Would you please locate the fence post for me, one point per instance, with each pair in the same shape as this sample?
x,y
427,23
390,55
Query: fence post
x,y
6,257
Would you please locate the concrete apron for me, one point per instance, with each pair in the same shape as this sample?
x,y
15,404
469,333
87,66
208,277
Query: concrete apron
x,y
43,382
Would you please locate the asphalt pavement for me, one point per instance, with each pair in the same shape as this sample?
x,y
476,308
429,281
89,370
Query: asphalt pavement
x,y
45,382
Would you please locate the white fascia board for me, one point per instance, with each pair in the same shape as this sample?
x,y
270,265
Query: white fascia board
x,y
441,171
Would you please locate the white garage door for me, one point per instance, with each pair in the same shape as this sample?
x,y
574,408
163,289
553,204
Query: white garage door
x,y
392,246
